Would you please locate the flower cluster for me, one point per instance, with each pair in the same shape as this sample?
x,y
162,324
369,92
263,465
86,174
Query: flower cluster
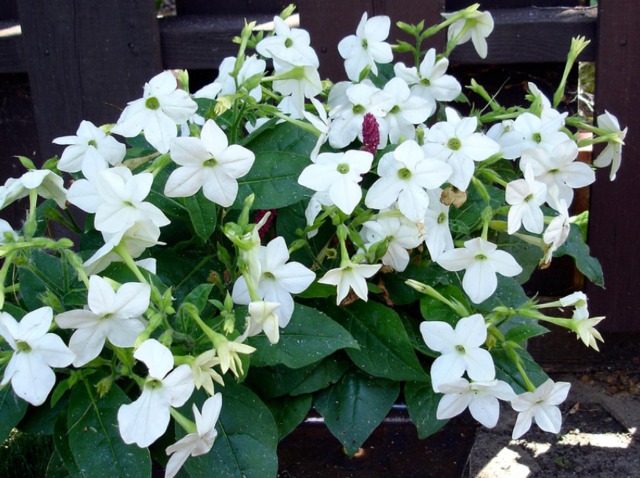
x,y
371,198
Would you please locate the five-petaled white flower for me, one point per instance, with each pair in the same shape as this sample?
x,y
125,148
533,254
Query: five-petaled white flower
x,y
476,26
481,398
437,235
199,442
35,352
556,232
399,233
612,152
482,261
159,112
90,143
541,406
405,176
350,276
47,184
289,44
203,373
262,318
525,197
367,47
460,348
210,163
145,420
278,280
116,316
226,84
339,175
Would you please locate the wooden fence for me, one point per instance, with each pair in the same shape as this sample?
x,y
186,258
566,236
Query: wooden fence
x,y
68,60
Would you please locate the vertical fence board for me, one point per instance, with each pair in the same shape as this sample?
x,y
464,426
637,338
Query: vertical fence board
x,y
86,60
615,206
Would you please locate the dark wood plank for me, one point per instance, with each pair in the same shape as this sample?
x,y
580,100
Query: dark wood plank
x,y
493,4
533,35
86,60
225,7
615,206
10,47
8,10
202,41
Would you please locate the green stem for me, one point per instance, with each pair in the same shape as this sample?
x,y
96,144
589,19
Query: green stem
x,y
123,252
183,421
8,261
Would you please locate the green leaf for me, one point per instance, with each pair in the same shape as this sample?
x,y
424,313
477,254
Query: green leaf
x,y
94,437
425,271
385,350
508,293
44,272
422,404
309,337
412,326
281,155
434,310
520,333
355,406
506,369
63,449
202,213
246,442
12,409
328,372
289,412
576,248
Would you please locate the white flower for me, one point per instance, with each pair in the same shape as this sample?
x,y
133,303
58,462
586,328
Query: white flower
x,y
525,197
578,300
557,232
460,348
367,47
278,280
321,123
262,318
229,352
296,83
144,421
339,175
210,163
289,44
404,110
161,109
612,153
482,261
35,352
476,26
541,406
116,316
530,131
400,234
203,373
429,80
559,170
117,200
481,398
316,202
225,84
198,443
47,183
7,234
350,276
405,175
89,140
456,142
437,235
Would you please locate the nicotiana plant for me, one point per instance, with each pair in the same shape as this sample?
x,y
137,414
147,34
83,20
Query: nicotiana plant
x,y
273,242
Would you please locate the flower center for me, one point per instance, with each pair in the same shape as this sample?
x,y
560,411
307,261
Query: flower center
x,y
23,346
153,383
394,110
152,103
528,198
365,44
425,82
343,168
288,43
480,257
106,316
404,174
454,144
442,218
269,275
93,143
460,348
210,163
537,137
358,109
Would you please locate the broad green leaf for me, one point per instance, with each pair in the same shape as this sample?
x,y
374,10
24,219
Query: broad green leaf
x,y
434,310
525,254
576,248
202,213
289,412
520,333
43,273
385,350
309,337
279,380
412,326
506,369
94,437
42,420
422,404
281,155
425,271
355,406
12,409
62,446
246,442
56,467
